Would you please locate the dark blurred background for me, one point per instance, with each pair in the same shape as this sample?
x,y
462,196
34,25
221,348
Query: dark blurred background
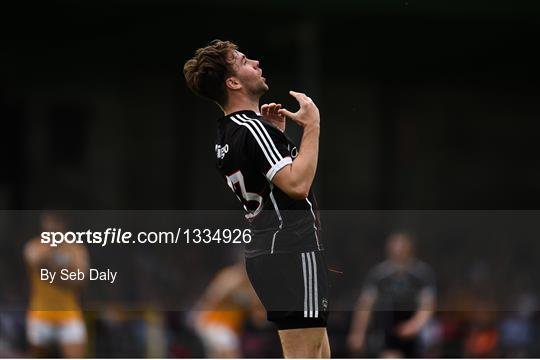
x,y
424,105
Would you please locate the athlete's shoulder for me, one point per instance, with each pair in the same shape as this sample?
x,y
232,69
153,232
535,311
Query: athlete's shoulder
x,y
252,123
242,117
382,270
238,124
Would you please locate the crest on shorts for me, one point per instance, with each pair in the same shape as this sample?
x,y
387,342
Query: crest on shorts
x,y
324,303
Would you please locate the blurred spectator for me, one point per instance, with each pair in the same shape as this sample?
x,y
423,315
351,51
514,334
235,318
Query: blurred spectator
x,y
222,311
397,301
517,329
12,334
54,315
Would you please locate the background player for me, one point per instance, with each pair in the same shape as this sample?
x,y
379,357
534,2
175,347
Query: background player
x,y
272,179
397,300
54,315
224,308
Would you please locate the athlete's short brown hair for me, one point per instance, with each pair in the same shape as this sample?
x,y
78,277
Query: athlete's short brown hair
x,y
206,72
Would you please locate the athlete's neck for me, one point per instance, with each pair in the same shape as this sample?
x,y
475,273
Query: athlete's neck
x,y
235,105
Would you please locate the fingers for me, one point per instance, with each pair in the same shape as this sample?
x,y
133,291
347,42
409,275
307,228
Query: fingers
x,y
264,110
300,97
267,109
274,109
270,109
287,113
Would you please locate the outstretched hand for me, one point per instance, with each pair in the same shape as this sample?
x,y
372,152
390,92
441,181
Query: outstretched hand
x,y
270,112
307,115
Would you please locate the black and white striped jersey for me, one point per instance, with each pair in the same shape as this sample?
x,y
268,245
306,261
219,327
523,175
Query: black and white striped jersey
x,y
249,152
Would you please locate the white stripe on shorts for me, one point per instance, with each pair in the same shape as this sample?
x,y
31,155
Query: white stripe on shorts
x,y
315,285
311,286
305,285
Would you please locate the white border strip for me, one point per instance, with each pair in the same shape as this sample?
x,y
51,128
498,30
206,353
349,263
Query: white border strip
x,y
278,166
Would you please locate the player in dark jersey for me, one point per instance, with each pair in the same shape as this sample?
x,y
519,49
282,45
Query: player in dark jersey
x,y
272,178
397,300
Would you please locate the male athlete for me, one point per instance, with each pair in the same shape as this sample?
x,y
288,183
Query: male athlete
x,y
227,303
54,314
397,301
272,179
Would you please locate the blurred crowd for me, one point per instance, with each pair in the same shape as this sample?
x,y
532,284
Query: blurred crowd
x,y
402,301
121,333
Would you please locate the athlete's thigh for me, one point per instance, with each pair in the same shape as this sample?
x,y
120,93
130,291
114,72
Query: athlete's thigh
x,y
326,353
303,342
71,351
72,338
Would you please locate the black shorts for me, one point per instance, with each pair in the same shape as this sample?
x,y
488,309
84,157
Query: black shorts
x,y
293,287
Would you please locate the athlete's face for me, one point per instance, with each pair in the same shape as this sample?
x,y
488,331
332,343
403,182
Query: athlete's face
x,y
51,222
248,75
399,247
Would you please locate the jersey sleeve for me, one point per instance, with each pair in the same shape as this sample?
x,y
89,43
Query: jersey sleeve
x,y
428,291
370,286
266,148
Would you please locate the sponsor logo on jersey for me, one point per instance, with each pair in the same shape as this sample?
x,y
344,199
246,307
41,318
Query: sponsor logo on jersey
x,y
294,152
221,151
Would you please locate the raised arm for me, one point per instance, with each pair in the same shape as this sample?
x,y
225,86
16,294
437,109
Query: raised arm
x,y
296,179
